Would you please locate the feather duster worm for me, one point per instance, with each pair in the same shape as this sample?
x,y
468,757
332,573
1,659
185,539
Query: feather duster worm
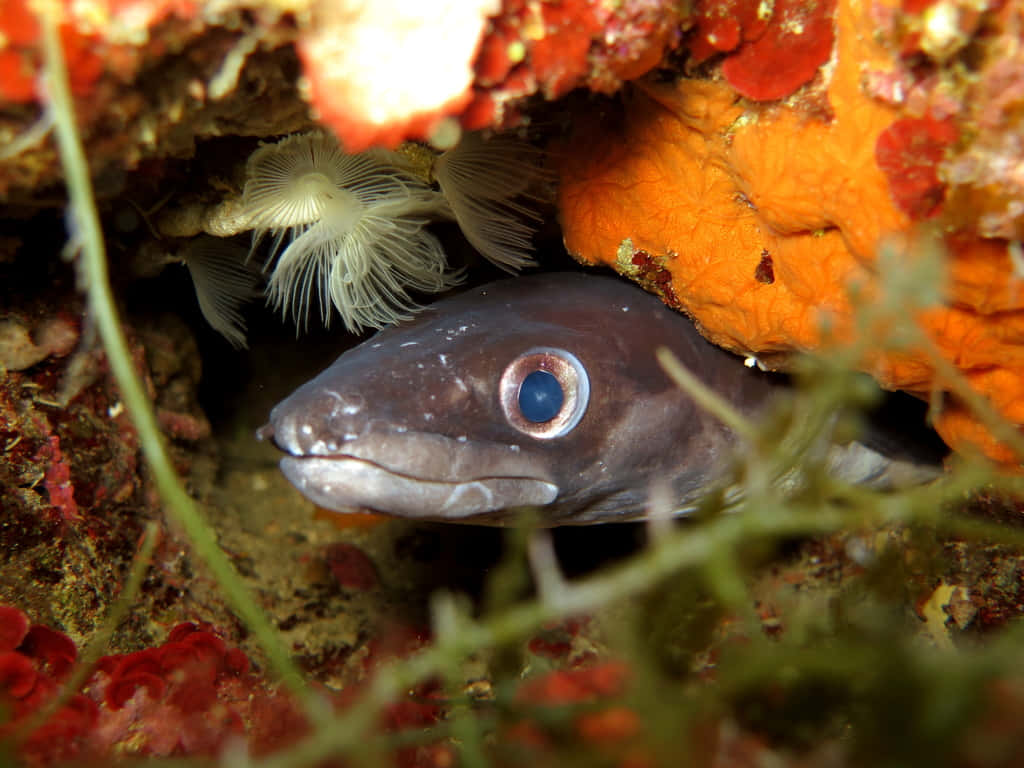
x,y
701,191
224,280
482,182
356,226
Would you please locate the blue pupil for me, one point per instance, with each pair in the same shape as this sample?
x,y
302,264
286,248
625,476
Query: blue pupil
x,y
540,397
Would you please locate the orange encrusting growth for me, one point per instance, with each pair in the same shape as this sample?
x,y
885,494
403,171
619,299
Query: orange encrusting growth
x,y
714,189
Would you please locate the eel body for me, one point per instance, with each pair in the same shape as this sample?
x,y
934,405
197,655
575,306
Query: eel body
x,y
446,417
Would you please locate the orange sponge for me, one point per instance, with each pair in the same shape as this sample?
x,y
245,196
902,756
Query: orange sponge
x,y
756,219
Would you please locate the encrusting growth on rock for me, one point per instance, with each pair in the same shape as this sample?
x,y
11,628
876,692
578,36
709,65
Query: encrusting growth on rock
x,y
702,183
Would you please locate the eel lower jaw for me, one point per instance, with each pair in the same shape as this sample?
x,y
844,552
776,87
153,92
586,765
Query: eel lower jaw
x,y
340,483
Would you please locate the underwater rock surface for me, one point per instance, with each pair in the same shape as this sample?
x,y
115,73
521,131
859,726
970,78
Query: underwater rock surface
x,y
836,627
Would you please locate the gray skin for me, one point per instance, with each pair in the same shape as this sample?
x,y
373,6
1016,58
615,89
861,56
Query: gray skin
x,y
410,422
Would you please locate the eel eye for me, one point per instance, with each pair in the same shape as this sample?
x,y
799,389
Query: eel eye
x,y
544,392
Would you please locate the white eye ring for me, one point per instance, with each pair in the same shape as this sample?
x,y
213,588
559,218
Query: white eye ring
x,y
570,374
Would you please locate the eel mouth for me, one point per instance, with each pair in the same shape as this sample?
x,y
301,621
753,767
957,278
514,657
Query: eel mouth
x,y
341,482
411,474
